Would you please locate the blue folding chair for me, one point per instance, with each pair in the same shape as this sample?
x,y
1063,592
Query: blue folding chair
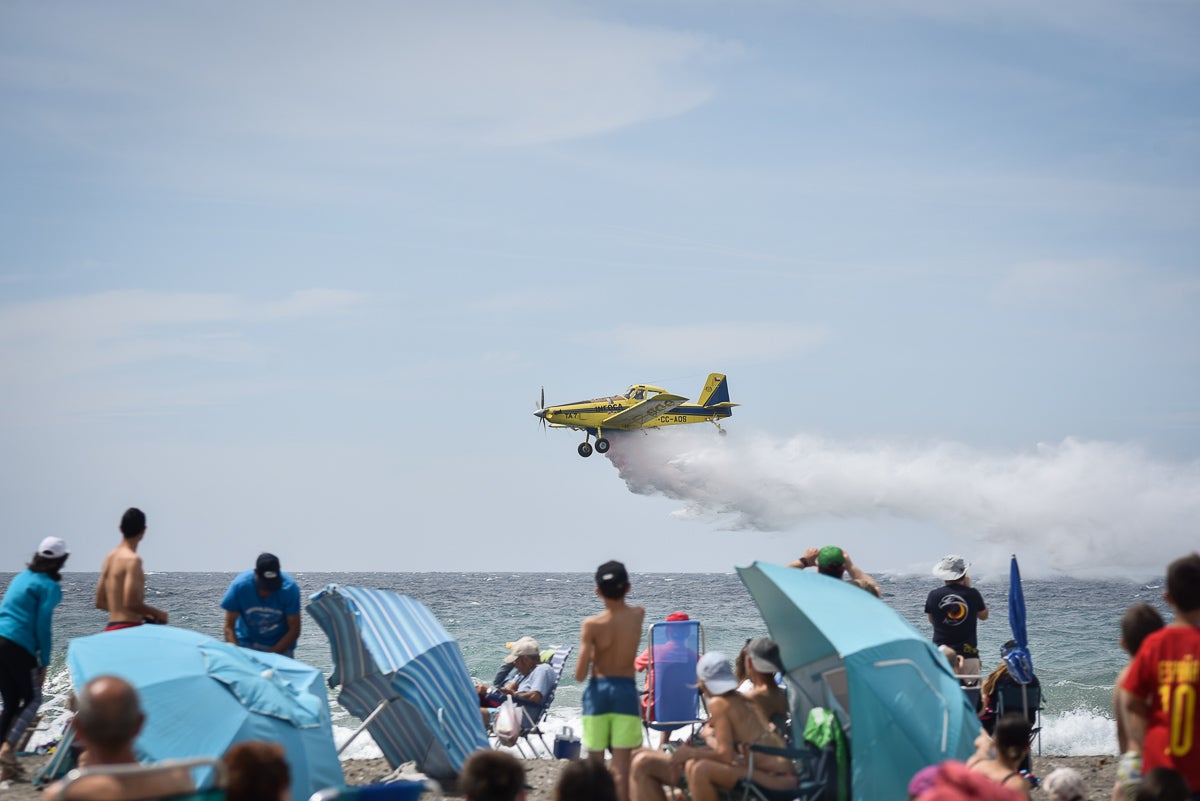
x,y
673,698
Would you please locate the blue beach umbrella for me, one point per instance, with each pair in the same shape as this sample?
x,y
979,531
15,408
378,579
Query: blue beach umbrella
x,y
402,674
1017,656
845,650
201,696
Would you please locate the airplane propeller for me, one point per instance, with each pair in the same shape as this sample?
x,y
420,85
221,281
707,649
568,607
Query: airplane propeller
x,y
541,409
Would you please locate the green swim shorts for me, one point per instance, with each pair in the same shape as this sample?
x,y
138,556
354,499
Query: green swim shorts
x,y
611,714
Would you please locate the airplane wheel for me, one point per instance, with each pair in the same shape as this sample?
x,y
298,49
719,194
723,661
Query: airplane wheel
x,y
723,431
585,450
602,445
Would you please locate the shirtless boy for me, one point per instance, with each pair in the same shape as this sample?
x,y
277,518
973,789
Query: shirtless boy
x,y
121,590
608,645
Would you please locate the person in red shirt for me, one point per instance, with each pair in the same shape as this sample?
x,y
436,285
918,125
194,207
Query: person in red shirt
x,y
1162,686
671,651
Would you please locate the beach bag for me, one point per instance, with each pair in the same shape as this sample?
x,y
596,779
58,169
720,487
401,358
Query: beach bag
x,y
508,722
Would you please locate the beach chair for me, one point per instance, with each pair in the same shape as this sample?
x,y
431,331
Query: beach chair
x,y
557,661
673,699
76,784
386,791
62,761
821,762
1026,699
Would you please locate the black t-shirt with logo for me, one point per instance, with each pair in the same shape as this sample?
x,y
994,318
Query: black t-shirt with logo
x,y
955,609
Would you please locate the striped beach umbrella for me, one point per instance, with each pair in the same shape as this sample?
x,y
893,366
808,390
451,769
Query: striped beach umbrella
x,y
403,675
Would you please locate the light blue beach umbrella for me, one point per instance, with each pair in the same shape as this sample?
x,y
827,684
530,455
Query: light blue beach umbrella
x,y
1017,657
846,650
201,696
403,675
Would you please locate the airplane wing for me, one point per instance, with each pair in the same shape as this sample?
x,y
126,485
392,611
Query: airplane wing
x,y
638,416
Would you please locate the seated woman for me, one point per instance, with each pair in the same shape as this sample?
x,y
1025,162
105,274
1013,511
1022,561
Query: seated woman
x,y
735,724
1011,743
755,670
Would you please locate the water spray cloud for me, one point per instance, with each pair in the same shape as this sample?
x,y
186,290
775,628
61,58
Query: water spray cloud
x,y
1080,505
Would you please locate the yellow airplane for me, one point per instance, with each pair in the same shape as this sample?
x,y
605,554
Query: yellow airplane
x,y
642,406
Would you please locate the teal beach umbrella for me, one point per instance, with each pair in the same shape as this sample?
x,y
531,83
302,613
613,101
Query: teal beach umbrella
x,y
201,696
845,650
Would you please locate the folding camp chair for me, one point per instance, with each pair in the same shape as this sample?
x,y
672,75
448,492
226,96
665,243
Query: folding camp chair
x,y
822,769
76,784
557,661
1024,698
387,791
673,699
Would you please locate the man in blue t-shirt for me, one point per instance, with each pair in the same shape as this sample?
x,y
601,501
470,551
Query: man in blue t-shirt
x,y
262,608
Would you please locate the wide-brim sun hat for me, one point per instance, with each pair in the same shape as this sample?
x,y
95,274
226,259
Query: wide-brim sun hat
x,y
951,568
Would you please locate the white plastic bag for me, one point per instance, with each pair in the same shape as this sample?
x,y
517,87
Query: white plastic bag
x,y
508,722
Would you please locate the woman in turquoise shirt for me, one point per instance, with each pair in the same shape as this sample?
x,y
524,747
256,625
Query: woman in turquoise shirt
x,y
25,616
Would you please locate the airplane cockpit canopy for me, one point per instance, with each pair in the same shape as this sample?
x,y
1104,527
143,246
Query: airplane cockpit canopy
x,y
642,391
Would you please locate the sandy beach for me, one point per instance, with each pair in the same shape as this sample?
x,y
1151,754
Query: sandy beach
x,y
1098,772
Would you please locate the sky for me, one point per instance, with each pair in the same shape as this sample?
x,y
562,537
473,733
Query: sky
x,y
292,277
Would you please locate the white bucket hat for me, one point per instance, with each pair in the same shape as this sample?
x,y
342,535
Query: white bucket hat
x,y
951,568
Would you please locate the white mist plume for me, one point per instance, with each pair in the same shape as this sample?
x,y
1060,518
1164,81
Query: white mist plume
x,y
1094,506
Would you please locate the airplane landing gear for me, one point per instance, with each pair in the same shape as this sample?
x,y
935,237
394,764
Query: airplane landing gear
x,y
585,449
601,445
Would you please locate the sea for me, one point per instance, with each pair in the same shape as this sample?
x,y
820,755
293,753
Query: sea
x,y
1073,627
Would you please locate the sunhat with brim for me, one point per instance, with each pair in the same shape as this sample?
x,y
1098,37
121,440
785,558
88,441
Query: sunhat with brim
x,y
951,568
714,671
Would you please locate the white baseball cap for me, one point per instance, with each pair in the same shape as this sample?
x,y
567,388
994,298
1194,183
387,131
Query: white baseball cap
x,y
52,548
713,669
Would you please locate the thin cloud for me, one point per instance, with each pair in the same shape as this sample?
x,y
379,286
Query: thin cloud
x,y
88,333
715,342
372,73
524,300
1154,32
1098,284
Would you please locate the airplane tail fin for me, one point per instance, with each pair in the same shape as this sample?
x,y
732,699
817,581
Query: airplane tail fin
x,y
716,392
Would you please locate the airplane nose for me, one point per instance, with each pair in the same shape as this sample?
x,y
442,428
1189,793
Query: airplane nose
x,y
540,413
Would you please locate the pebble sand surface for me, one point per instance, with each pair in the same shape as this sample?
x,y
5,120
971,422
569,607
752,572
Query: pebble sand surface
x,y
1098,772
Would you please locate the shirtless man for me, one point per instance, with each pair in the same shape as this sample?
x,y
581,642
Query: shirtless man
x,y
121,590
608,645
